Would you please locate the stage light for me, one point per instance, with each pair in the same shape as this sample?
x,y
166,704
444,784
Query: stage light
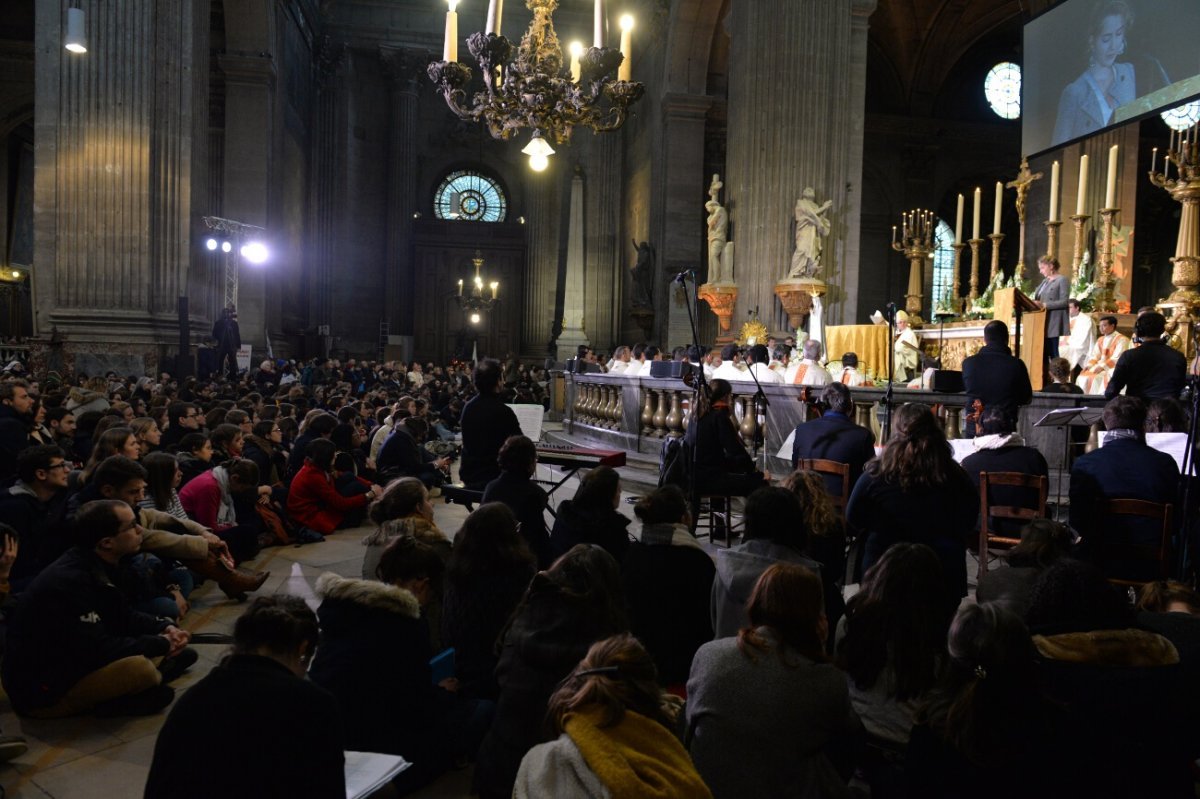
x,y
226,246
210,244
255,252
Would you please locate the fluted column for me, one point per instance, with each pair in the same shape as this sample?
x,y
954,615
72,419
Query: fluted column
x,y
115,139
402,69
541,279
795,116
602,299
322,196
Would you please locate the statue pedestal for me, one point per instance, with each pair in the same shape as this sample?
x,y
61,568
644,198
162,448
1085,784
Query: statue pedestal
x,y
796,294
643,317
720,298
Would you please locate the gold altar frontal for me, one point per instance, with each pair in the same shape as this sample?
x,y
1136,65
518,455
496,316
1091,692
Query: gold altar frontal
x,y
868,342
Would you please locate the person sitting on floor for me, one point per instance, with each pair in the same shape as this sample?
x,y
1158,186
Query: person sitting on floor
x,y
525,498
314,502
75,645
591,516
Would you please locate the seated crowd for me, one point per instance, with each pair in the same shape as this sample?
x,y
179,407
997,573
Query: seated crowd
x,y
594,656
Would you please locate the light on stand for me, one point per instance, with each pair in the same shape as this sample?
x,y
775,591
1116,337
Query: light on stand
x,y
255,252
539,153
226,246
75,42
211,244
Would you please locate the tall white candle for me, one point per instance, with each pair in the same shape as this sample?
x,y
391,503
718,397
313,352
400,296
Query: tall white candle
x,y
1081,197
1110,191
495,10
975,214
958,221
1054,192
625,71
999,207
598,37
450,50
576,50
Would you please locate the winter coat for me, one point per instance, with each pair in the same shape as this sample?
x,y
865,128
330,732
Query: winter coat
x,y
738,569
604,526
314,502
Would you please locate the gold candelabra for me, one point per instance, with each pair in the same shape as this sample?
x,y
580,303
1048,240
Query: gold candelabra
x,y
975,244
956,288
1080,222
916,243
996,239
1184,154
1052,238
1105,301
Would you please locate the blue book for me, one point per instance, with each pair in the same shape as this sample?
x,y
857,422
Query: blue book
x,y
442,665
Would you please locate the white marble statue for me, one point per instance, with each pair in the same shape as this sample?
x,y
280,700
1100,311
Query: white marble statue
x,y
812,225
718,232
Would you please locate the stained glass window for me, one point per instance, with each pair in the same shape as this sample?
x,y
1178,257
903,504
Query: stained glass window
x,y
470,196
943,263
1002,87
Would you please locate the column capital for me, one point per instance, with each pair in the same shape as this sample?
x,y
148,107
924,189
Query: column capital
x,y
862,8
680,105
403,67
248,69
328,57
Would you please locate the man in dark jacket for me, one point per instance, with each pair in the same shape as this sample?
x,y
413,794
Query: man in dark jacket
x,y
1124,468
1153,370
182,418
835,437
15,422
75,645
994,376
229,341
36,506
486,424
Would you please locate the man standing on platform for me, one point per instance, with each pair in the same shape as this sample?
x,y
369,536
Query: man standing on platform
x,y
1082,337
486,423
995,377
810,372
1052,295
229,341
1152,371
1098,368
908,350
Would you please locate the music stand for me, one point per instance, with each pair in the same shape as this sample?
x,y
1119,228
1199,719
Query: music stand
x,y
1067,418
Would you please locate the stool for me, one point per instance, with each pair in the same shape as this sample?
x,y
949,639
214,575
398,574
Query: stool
x,y
717,509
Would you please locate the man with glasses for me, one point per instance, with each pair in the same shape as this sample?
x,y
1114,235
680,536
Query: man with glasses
x,y
35,506
76,646
16,403
182,418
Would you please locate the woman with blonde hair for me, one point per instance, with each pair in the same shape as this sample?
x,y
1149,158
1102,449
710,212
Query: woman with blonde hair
x,y
826,536
148,436
615,733
113,441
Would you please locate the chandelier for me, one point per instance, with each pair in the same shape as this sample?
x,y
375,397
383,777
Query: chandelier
x,y
476,302
528,87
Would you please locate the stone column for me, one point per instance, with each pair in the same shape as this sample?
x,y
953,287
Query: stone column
x,y
603,295
573,333
795,120
115,141
402,69
541,279
322,196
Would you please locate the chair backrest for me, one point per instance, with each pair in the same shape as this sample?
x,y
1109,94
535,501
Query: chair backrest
x,y
1130,553
826,467
988,510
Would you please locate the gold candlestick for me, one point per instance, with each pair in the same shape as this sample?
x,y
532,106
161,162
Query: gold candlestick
x,y
1105,301
1052,238
956,288
916,242
1080,222
1185,189
996,239
975,243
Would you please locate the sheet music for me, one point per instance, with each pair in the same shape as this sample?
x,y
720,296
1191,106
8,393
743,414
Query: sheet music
x,y
366,772
1174,444
530,418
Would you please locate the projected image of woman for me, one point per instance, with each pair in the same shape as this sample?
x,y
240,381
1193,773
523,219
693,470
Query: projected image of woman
x,y
1087,103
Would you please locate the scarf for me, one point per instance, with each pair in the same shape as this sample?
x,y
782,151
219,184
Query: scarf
x,y
1119,433
998,441
226,515
637,758
669,534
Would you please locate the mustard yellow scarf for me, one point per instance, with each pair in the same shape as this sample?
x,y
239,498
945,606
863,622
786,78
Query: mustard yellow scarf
x,y
637,758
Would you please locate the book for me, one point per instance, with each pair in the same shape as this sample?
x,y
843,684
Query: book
x,y
366,772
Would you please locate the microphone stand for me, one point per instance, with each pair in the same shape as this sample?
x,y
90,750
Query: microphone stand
x,y
759,396
699,387
888,396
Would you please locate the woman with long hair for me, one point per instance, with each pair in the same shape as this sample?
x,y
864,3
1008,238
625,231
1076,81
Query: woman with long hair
x,y
403,508
615,733
722,465
826,537
892,641
915,492
148,436
488,572
162,482
591,516
567,608
741,743
211,498
113,441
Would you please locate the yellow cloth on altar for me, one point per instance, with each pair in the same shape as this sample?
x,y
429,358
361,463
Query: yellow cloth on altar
x,y
869,342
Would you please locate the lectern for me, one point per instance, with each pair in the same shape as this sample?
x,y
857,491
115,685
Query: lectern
x,y
1027,323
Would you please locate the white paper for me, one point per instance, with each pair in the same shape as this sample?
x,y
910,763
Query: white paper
x,y
366,772
785,452
962,447
529,417
1174,444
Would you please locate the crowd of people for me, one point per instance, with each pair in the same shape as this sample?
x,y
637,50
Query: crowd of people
x,y
593,656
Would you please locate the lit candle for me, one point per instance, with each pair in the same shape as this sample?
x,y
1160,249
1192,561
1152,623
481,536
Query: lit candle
x,y
460,287
495,9
1054,192
1110,192
958,221
598,37
893,234
450,50
1153,159
975,214
1081,197
576,50
495,287
999,207
625,71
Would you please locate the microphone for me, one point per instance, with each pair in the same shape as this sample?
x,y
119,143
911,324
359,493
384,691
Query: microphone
x,y
682,276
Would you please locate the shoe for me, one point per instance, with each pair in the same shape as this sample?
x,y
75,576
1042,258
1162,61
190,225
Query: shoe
x,y
172,668
236,584
12,746
307,535
143,703
435,492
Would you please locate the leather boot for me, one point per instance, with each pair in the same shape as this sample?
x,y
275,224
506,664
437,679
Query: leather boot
x,y
236,583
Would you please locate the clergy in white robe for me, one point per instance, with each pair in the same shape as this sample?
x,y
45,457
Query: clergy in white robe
x,y
1078,345
1103,358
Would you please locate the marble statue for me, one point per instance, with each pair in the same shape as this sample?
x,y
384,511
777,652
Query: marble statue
x,y
643,275
812,225
718,232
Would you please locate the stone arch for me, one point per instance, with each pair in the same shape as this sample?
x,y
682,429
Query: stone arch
x,y
691,27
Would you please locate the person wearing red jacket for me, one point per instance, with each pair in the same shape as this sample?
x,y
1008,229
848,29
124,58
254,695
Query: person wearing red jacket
x,y
314,502
209,500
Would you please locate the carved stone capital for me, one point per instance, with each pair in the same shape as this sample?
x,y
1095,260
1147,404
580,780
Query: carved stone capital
x,y
403,67
248,69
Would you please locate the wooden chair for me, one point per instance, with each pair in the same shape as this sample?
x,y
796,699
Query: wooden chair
x,y
989,511
1109,552
836,469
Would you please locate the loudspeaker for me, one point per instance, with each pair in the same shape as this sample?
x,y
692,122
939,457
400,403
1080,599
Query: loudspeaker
x,y
675,369
947,381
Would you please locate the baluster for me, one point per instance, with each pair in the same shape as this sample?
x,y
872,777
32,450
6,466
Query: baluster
x,y
862,414
660,415
953,414
585,409
594,405
675,417
617,414
749,420
607,406
648,413
577,407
